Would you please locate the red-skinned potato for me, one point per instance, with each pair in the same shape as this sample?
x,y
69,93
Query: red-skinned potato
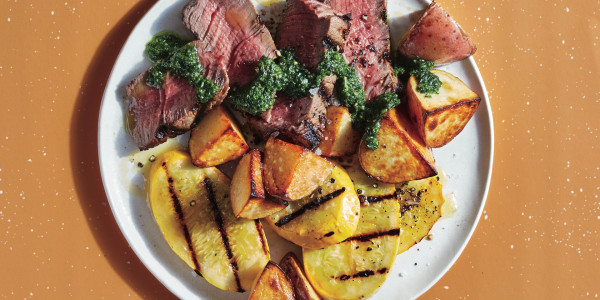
x,y
272,284
216,139
339,138
248,198
402,155
437,37
441,117
292,268
292,172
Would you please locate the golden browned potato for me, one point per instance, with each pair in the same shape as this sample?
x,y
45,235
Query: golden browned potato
x,y
358,266
302,288
272,284
192,209
292,172
216,139
437,37
339,139
327,216
441,117
421,206
248,197
401,156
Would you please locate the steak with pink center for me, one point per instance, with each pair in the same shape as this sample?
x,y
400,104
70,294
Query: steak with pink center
x,y
368,45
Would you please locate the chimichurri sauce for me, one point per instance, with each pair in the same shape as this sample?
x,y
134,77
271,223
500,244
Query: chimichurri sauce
x,y
162,45
372,115
258,96
170,53
427,82
286,74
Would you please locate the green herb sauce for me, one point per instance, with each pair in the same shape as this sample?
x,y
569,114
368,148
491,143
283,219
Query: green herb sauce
x,y
427,82
286,74
258,96
162,45
365,116
169,52
350,90
372,115
297,80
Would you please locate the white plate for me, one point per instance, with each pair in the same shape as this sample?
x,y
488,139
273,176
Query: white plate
x,y
467,160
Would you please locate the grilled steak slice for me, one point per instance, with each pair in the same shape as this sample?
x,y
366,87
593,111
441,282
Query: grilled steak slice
x,y
144,117
233,30
368,45
157,113
311,27
299,121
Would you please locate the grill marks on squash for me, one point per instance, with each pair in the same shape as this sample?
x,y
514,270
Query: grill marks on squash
x,y
177,206
361,274
221,227
263,242
366,200
374,235
311,205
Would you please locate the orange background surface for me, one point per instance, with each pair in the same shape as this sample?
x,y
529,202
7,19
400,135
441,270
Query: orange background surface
x,y
537,238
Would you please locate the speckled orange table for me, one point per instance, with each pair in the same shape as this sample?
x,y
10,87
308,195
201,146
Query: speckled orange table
x,y
538,236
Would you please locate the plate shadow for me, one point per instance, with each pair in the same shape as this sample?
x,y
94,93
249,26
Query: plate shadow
x,y
85,165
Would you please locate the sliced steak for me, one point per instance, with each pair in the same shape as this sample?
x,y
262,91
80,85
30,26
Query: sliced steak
x,y
311,27
180,105
144,117
215,69
157,113
368,45
233,30
299,121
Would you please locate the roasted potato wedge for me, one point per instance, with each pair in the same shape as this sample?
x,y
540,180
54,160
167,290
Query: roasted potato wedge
x,y
272,284
302,288
216,139
421,206
401,156
292,172
437,37
441,117
339,139
358,266
366,187
193,211
327,216
248,198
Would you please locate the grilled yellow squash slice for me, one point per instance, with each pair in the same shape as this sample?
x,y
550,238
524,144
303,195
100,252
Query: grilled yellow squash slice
x,y
421,206
367,188
358,266
272,284
327,216
192,209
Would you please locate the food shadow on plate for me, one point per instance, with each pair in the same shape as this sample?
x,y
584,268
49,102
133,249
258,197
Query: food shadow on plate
x,y
85,167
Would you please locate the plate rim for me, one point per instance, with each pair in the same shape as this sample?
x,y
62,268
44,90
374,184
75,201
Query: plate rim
x,y
485,98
